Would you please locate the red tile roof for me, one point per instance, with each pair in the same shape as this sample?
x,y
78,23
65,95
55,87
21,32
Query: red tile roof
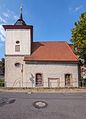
x,y
51,51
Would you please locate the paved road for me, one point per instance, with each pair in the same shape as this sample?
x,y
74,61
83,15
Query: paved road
x,y
60,106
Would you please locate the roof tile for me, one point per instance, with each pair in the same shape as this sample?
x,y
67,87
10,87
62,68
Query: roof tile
x,y
51,51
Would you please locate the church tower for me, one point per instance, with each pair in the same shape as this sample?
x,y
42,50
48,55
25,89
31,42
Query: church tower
x,y
19,38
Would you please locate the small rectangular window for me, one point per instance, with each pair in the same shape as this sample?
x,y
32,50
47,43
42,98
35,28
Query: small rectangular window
x,y
39,80
68,78
17,48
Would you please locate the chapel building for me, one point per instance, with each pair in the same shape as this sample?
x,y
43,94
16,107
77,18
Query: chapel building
x,y
37,64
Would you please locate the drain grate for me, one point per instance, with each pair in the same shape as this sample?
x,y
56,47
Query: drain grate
x,y
40,104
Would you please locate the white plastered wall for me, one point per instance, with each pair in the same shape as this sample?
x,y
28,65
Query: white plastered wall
x,y
14,77
22,35
51,71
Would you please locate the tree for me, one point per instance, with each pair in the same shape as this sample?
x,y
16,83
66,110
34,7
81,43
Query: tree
x,y
2,66
79,37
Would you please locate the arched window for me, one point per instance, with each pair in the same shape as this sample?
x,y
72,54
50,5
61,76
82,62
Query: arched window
x,y
17,42
17,64
39,80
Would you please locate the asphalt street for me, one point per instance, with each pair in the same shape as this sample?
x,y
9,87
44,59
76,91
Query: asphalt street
x,y
59,106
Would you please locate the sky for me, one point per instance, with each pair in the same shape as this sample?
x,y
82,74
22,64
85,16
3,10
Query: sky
x,y
52,20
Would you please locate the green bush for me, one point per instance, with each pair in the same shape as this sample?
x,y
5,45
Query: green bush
x,y
85,82
1,83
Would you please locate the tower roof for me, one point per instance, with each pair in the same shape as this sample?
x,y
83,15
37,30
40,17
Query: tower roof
x,y
20,21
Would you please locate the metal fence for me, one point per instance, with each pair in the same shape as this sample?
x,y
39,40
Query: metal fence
x,y
82,83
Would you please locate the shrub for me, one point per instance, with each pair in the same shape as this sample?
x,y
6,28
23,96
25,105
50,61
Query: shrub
x,y
1,83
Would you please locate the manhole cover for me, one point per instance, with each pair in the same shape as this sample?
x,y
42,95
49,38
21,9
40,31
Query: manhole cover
x,y
40,104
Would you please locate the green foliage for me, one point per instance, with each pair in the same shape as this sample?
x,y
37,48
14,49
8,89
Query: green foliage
x,y
79,37
1,83
2,65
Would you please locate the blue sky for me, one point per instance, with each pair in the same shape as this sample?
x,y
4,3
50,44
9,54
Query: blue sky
x,y
52,19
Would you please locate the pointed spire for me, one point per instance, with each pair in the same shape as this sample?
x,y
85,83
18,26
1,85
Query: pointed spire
x,y
21,16
20,21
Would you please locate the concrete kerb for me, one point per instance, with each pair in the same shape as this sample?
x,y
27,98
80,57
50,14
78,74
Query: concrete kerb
x,y
44,90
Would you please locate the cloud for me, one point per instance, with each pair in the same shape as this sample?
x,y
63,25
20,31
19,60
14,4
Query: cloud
x,y
2,38
75,9
11,13
2,33
3,20
15,17
5,14
8,17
